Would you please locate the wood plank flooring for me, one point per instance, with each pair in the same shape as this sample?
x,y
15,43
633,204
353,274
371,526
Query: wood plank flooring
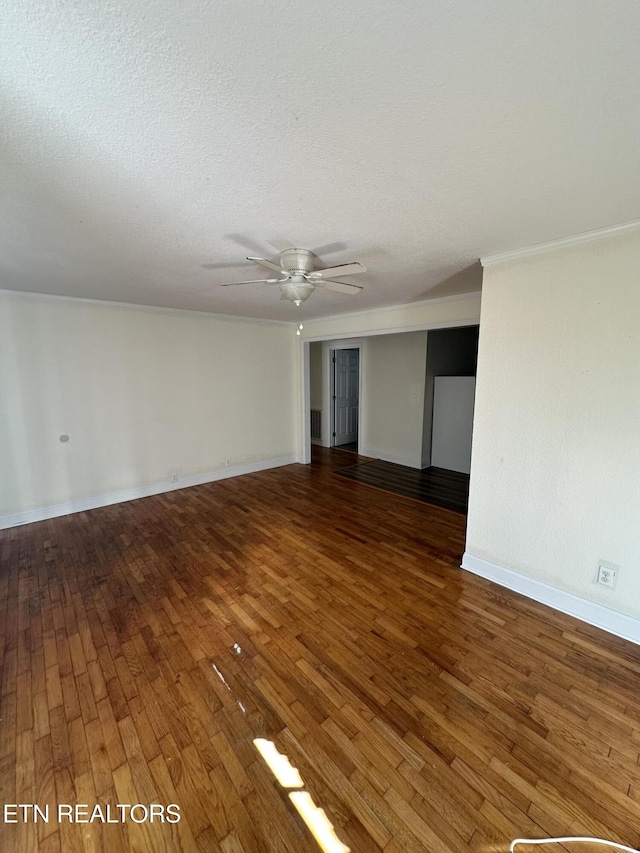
x,y
145,646
352,447
448,489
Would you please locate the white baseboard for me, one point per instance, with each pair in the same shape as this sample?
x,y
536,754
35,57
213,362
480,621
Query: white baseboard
x,y
44,512
566,602
319,442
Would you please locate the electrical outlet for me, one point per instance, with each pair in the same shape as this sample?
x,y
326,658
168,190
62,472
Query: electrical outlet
x,y
174,477
227,462
606,576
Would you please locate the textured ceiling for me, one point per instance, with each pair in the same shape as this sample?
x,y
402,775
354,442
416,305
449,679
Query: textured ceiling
x,y
146,140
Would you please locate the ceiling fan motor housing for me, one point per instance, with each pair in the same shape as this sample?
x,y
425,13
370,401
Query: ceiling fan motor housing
x,y
297,261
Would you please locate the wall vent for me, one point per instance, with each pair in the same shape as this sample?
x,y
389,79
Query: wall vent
x,y
316,424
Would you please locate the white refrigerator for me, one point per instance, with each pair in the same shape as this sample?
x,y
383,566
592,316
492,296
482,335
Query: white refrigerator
x,y
453,398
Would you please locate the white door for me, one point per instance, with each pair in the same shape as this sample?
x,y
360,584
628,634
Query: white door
x,y
346,380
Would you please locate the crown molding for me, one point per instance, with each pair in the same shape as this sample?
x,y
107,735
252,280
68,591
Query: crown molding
x,y
389,309
136,306
562,243
7,293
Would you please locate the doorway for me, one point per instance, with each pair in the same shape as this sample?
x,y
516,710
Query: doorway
x,y
345,398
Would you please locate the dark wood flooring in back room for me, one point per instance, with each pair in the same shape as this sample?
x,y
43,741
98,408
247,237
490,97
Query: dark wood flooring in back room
x,y
145,646
448,489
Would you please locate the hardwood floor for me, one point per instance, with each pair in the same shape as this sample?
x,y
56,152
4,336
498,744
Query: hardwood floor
x,y
145,646
448,489
352,447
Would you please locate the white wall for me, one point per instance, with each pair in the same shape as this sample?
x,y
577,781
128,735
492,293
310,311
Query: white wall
x,y
393,376
555,472
316,375
319,389
142,393
434,314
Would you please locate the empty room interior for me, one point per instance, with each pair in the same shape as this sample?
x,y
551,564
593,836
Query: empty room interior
x,y
320,427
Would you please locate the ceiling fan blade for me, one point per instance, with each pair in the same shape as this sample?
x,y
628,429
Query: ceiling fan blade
x,y
254,281
332,272
338,286
268,264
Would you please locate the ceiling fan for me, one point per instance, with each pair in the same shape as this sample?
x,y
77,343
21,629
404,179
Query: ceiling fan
x,y
298,277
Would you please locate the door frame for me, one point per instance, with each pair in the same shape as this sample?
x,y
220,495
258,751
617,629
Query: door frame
x,y
332,350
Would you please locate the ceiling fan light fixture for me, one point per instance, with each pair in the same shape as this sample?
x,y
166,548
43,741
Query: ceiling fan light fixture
x,y
297,291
